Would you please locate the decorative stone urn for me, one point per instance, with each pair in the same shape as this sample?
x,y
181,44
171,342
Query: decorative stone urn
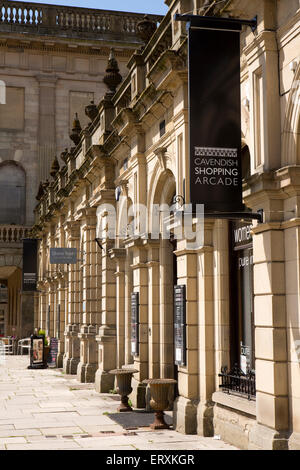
x,y
124,388
91,110
145,28
159,391
76,130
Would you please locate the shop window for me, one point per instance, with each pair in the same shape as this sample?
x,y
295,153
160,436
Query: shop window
x,y
240,377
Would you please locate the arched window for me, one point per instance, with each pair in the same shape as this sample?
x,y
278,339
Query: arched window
x,y
12,193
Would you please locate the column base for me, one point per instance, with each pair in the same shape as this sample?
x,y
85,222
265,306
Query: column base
x,y
66,365
185,415
104,382
138,394
205,418
264,438
59,360
74,361
86,372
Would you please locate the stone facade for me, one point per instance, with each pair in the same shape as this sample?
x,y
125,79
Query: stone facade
x,y
136,152
52,63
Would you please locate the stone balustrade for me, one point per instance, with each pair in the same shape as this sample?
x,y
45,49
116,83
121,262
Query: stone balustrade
x,y
13,233
37,16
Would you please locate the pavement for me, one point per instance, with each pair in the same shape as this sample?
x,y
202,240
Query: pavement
x,y
49,410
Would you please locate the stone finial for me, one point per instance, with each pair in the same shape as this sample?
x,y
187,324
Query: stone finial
x,y
145,28
40,191
112,78
54,167
63,155
76,129
91,110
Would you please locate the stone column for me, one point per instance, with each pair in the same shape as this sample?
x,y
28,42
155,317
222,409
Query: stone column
x,y
128,290
166,311
107,332
71,358
47,132
118,254
205,291
272,403
60,323
88,346
140,285
154,302
185,406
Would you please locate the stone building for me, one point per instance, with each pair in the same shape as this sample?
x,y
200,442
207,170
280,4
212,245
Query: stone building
x,y
242,287
52,61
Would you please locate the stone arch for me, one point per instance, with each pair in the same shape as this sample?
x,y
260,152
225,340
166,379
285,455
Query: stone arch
x,y
162,187
291,128
12,193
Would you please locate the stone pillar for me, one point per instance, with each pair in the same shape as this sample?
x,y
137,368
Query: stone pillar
x,y
205,289
140,285
60,322
128,290
88,346
166,309
107,332
72,353
272,402
47,132
118,254
154,301
185,406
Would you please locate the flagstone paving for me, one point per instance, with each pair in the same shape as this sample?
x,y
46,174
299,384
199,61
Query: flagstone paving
x,y
46,409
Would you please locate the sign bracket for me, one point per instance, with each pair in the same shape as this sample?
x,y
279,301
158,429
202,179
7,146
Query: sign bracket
x,y
216,21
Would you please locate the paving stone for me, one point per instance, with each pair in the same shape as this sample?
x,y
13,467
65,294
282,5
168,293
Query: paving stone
x,y
61,430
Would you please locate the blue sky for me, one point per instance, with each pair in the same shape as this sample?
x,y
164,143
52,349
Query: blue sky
x,y
151,6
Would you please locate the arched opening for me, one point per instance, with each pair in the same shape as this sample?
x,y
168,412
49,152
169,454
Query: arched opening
x,y
12,193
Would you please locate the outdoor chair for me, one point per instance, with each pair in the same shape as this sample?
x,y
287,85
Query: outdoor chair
x,y
24,344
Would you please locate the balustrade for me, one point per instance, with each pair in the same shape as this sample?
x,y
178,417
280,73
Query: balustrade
x,y
13,233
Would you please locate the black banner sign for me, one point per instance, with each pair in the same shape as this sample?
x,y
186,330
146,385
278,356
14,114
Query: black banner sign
x,y
135,323
215,117
180,325
29,275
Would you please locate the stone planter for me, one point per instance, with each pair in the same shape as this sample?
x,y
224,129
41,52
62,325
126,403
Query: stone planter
x,y
159,391
124,388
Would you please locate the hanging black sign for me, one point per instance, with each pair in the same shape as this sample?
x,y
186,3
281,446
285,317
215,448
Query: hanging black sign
x,y
180,325
215,116
135,323
29,275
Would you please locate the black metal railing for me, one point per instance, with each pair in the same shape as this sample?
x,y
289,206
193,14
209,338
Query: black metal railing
x,y
236,381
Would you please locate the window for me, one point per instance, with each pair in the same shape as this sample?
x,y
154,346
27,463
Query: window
x,y
242,297
162,128
12,194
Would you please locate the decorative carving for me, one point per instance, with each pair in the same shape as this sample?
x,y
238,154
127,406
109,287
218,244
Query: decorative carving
x,y
112,78
54,167
76,130
91,110
160,152
145,29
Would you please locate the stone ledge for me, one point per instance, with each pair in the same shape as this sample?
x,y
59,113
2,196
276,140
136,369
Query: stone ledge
x,y
235,403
